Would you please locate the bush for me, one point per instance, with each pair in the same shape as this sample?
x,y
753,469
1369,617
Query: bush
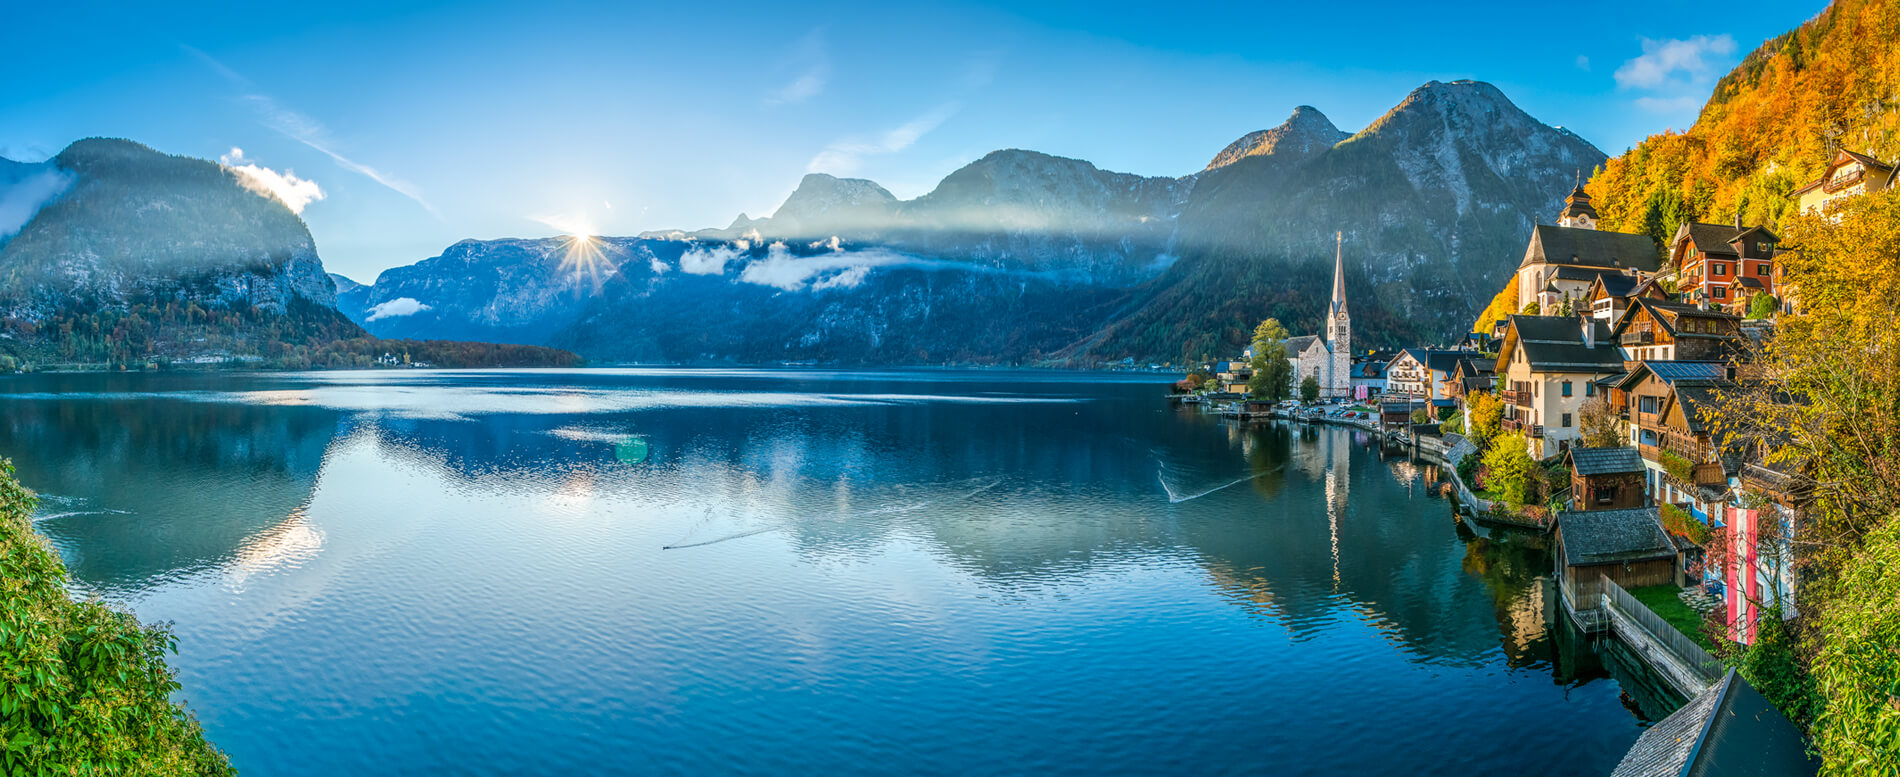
x,y
86,689
1419,416
1512,475
1678,466
1678,521
1468,470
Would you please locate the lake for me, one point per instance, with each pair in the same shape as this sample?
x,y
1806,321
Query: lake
x,y
802,571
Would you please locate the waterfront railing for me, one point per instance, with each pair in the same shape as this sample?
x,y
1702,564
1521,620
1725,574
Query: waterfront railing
x,y
1672,638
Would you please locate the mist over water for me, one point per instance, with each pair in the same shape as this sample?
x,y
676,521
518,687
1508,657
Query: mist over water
x,y
771,572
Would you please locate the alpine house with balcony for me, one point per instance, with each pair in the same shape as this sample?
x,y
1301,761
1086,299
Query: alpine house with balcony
x,y
1548,366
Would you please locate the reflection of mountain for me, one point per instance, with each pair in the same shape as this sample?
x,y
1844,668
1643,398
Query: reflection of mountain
x,y
173,486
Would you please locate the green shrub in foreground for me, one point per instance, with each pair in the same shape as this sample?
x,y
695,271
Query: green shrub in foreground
x,y
84,688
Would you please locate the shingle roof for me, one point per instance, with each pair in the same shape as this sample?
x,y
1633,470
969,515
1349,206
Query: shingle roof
x,y
1709,238
1613,536
1297,345
1445,361
1616,284
1555,344
1590,248
1605,461
1568,273
1729,730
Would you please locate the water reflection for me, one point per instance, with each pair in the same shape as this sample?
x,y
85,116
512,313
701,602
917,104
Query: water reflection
x,y
780,556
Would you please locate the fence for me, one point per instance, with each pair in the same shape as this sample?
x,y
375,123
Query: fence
x,y
1691,654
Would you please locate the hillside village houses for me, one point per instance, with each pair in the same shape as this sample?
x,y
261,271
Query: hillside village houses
x,y
1660,334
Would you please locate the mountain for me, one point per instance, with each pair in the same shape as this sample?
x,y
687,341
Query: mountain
x,y
1024,256
127,256
1306,133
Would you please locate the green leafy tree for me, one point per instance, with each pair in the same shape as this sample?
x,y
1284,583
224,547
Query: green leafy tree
x,y
1272,374
1762,306
1309,388
1510,473
1531,308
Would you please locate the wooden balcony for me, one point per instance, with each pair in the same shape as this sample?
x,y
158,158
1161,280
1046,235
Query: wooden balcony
x,y
1518,398
1638,337
1518,425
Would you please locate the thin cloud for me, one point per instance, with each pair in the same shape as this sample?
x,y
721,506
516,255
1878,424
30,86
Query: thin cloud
x,y
396,308
293,192
814,68
1667,63
306,130
845,156
309,132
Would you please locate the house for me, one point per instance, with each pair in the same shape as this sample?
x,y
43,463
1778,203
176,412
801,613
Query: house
x,y
1654,330
1606,479
1408,374
1667,401
1849,174
1233,376
1474,375
1729,729
1368,379
1628,546
1549,365
1609,295
1712,261
1562,261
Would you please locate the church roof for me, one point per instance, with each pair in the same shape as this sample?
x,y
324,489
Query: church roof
x,y
1298,345
1590,248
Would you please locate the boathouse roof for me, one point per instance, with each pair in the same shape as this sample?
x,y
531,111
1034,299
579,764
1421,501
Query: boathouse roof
x,y
1729,730
1605,461
1593,537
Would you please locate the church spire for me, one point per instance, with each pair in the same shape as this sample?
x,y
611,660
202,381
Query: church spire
x,y
1339,273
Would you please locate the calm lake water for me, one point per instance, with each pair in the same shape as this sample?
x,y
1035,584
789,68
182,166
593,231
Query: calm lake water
x,y
778,572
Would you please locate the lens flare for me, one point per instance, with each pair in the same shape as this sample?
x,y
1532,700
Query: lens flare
x,y
585,257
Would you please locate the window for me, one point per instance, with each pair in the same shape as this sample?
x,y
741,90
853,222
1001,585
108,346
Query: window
x,y
1646,404
1762,270
1721,269
1566,420
1589,389
1721,293
1566,393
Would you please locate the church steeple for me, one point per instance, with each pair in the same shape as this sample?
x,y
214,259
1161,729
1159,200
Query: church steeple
x,y
1338,381
1339,274
1578,213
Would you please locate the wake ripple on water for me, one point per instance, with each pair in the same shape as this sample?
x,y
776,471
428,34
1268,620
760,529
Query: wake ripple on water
x,y
1175,497
882,510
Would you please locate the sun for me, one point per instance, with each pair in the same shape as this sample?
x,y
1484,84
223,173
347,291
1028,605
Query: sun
x,y
582,257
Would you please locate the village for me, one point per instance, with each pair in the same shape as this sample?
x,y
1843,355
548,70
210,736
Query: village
x,y
1592,414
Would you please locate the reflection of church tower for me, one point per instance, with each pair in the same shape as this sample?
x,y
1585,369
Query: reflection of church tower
x,y
1338,468
1339,327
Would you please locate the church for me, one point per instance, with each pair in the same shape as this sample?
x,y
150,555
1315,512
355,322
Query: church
x,y
1328,360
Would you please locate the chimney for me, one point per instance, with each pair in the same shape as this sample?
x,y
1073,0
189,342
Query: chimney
x,y
1589,332
1738,219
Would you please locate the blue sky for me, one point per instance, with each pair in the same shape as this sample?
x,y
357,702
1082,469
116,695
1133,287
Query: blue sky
x,y
421,124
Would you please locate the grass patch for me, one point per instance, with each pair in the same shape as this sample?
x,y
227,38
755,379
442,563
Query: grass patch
x,y
1665,601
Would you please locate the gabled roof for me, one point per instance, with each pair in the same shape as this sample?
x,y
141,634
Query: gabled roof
x,y
1298,345
1612,284
1676,373
1420,355
1555,344
1586,274
1445,361
1758,232
1605,461
1843,157
1729,730
1589,248
1613,536
1712,239
1670,315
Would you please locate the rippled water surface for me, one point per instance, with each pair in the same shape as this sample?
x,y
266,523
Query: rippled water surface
x,y
778,572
